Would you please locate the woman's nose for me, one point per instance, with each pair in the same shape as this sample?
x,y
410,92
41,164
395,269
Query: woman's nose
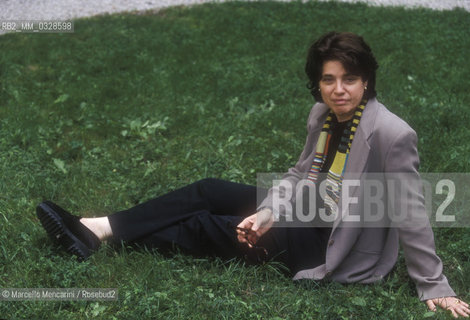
x,y
339,88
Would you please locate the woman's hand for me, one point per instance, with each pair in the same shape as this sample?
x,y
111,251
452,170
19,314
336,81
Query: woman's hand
x,y
456,306
253,227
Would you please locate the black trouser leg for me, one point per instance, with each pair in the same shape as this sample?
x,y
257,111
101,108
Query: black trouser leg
x,y
201,219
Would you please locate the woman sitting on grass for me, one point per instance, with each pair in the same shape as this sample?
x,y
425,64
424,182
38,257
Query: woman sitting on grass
x,y
349,132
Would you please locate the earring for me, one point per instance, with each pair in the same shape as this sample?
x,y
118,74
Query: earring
x,y
319,89
365,87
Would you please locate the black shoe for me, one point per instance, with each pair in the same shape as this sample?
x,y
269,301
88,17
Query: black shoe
x,y
67,230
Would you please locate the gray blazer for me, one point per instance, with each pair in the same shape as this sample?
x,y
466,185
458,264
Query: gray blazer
x,y
386,144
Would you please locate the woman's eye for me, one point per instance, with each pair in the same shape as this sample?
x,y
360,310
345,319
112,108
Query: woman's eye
x,y
327,80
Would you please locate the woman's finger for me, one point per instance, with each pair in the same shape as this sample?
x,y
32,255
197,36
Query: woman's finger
x,y
454,314
245,224
463,310
241,239
431,305
252,237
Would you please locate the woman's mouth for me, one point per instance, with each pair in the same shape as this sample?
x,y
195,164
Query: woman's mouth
x,y
340,101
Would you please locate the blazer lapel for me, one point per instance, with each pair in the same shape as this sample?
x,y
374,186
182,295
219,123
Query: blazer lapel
x,y
317,119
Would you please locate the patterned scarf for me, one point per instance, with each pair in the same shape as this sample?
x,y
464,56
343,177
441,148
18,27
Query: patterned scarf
x,y
336,172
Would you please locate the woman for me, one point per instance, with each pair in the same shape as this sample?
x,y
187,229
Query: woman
x,y
349,132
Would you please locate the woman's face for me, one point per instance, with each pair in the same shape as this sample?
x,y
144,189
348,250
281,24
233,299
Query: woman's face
x,y
342,92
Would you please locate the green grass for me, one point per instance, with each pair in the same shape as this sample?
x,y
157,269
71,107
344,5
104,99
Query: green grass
x,y
131,106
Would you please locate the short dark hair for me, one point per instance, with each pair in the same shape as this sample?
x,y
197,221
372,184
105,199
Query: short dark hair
x,y
349,49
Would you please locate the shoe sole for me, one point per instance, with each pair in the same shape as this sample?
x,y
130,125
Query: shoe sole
x,y
58,231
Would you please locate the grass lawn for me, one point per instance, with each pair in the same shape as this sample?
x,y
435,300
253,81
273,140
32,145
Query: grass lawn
x,y
132,106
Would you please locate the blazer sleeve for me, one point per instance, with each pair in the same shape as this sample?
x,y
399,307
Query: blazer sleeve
x,y
415,233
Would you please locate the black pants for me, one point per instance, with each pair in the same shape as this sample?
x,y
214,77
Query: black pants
x,y
201,218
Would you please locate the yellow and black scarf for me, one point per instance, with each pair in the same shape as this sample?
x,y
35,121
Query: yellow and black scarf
x,y
336,172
